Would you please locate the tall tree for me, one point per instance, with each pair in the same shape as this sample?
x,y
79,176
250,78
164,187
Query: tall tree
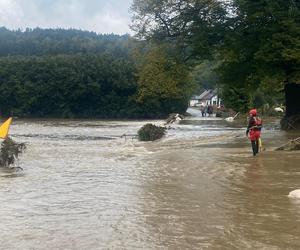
x,y
164,83
191,26
261,46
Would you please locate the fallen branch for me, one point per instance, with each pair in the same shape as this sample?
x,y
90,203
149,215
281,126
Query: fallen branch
x,y
291,145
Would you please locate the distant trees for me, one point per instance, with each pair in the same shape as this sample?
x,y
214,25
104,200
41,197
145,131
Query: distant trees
x,y
71,73
205,76
67,86
41,42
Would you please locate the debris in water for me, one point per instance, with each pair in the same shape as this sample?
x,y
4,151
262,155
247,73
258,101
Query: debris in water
x,y
294,194
150,132
10,151
173,118
291,145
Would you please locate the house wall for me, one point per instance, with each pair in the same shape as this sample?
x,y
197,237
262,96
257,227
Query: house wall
x,y
193,103
213,101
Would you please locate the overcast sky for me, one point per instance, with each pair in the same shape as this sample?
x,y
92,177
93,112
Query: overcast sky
x,y
101,16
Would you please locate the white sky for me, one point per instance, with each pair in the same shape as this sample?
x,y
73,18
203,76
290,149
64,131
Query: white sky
x,y
101,16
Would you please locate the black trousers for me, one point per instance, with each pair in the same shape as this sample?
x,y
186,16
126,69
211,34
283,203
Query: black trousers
x,y
255,146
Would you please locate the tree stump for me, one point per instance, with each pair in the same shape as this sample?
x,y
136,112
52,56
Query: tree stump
x,y
291,120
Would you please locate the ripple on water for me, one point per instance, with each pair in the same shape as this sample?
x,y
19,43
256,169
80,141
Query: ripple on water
x,y
197,188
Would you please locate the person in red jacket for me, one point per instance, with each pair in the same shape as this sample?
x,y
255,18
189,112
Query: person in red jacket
x,y
254,130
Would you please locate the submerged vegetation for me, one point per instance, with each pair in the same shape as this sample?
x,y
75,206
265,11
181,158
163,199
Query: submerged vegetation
x,y
151,132
10,151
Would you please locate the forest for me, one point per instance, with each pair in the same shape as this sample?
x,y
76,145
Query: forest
x,y
76,74
42,42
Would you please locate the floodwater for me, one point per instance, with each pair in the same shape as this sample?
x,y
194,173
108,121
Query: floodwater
x,y
85,186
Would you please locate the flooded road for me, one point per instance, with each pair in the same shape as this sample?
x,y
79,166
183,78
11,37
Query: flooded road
x,y
84,186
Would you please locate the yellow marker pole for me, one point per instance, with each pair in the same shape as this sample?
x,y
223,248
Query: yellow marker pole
x,y
260,147
4,128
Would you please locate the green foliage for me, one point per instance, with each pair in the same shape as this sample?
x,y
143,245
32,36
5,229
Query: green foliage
x,y
150,132
164,83
188,26
204,75
71,73
42,42
258,99
262,49
236,98
256,42
67,86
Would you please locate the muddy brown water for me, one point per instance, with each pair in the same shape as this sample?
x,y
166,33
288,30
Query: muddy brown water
x,y
86,187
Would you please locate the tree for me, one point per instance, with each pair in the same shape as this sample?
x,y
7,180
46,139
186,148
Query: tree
x,y
262,46
192,27
257,42
205,76
164,83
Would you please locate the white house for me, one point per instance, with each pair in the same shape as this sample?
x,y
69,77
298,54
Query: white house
x,y
208,97
194,100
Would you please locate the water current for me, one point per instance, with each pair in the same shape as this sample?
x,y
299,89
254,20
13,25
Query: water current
x,y
85,186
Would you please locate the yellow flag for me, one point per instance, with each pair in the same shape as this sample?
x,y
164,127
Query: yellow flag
x,y
4,128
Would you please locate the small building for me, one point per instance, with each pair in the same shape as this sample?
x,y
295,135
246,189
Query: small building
x,y
208,97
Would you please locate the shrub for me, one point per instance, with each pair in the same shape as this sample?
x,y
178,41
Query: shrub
x,y
150,132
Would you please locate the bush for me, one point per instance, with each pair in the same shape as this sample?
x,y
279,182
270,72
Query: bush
x,y
150,132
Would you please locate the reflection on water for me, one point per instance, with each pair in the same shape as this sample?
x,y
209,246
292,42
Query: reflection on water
x,y
85,187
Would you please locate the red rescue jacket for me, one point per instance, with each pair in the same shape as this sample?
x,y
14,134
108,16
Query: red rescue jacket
x,y
255,123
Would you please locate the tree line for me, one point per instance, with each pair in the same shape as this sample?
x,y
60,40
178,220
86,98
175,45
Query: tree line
x,y
42,42
72,73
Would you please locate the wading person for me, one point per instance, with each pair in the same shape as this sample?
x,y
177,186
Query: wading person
x,y
254,130
202,109
210,110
